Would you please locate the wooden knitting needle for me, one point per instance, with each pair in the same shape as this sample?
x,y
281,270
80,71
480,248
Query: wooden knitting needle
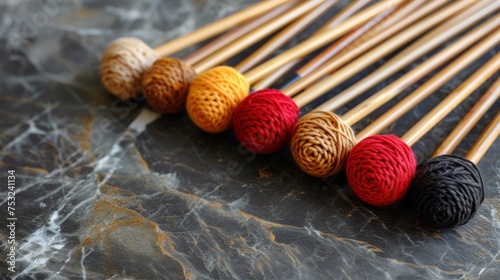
x,y
237,32
355,50
255,35
284,36
430,86
317,41
451,101
380,98
125,59
217,27
486,139
340,17
434,38
470,120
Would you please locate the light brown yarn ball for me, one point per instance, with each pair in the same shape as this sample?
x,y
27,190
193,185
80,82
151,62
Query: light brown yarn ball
x,y
122,65
166,85
214,95
321,142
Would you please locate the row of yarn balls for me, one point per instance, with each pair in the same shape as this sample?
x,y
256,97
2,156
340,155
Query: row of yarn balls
x,y
446,191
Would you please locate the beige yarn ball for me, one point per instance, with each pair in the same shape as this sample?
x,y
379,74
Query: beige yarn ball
x,y
123,64
321,142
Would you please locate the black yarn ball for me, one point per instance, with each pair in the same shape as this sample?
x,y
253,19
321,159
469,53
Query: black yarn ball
x,y
447,191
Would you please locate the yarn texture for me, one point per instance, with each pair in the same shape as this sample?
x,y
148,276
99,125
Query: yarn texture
x,y
123,64
166,85
213,96
380,168
263,121
320,143
447,191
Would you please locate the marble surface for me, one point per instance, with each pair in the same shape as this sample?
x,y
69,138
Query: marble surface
x,y
106,190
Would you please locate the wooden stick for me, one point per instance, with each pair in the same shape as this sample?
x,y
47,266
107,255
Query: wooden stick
x,y
380,98
451,101
284,36
485,141
254,36
470,120
433,39
217,27
433,84
317,41
344,14
237,32
353,51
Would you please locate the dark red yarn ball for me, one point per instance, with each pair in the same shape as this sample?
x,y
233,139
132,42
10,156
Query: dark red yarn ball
x,y
380,169
263,121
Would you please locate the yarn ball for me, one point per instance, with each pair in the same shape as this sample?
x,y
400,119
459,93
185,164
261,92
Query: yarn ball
x,y
122,65
213,96
380,168
320,143
447,191
166,85
263,121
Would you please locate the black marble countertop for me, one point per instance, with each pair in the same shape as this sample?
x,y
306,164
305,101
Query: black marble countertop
x,y
107,189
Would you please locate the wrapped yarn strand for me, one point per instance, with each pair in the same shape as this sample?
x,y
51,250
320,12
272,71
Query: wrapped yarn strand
x,y
372,170
125,59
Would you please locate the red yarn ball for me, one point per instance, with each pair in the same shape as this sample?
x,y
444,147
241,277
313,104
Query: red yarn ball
x,y
264,120
380,169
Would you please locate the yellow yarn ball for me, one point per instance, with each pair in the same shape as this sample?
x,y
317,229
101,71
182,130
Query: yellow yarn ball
x,y
214,95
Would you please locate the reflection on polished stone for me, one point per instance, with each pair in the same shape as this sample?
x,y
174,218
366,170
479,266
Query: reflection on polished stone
x,y
110,190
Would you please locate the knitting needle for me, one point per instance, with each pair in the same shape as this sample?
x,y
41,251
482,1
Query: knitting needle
x,y
255,35
430,86
447,190
126,58
237,32
463,20
340,17
380,168
487,138
380,98
360,46
469,121
318,40
284,36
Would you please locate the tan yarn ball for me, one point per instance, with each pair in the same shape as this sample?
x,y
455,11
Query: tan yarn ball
x,y
321,142
214,95
166,85
122,65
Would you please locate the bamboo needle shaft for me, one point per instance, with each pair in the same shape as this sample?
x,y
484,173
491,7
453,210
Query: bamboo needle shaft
x,y
283,36
375,101
217,27
451,101
344,14
470,120
431,40
485,140
433,84
359,47
237,32
255,35
317,41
